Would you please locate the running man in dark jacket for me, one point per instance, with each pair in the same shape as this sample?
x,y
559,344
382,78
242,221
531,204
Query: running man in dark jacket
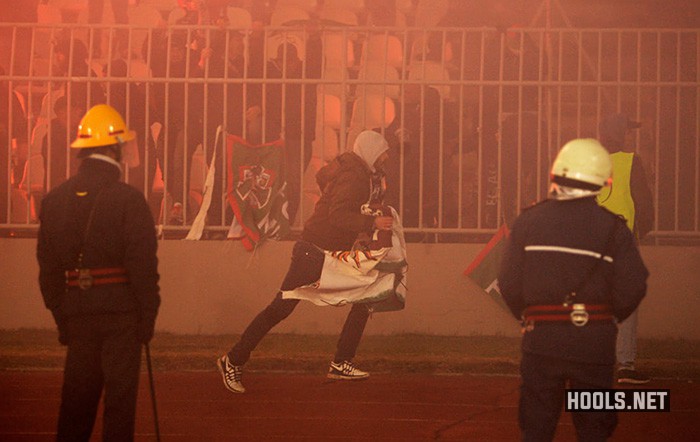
x,y
570,270
98,274
350,181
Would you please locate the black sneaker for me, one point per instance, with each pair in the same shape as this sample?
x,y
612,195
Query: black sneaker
x,y
346,371
231,374
631,376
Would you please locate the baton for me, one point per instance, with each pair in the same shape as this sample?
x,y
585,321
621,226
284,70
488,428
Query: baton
x,y
153,390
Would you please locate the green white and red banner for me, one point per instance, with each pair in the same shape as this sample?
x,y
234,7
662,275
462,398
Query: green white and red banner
x,y
256,191
483,270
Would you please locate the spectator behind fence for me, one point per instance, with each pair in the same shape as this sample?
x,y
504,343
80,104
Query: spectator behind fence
x,y
289,111
128,97
462,178
70,59
509,113
226,103
422,123
170,59
630,197
13,130
95,12
58,162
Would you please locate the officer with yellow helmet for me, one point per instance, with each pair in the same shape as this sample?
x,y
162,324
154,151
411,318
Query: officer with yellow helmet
x,y
98,274
571,269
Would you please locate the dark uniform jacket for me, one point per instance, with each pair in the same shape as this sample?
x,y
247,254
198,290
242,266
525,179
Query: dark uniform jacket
x,y
550,253
346,184
121,234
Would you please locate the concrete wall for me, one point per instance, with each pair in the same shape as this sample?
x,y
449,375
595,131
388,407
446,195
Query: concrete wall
x,y
216,287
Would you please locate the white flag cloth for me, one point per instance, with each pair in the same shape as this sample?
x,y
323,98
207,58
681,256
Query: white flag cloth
x,y
361,276
197,228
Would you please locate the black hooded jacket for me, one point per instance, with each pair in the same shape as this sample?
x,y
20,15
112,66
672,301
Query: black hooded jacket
x,y
346,184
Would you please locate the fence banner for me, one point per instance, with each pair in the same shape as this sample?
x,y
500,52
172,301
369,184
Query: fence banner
x,y
483,270
256,191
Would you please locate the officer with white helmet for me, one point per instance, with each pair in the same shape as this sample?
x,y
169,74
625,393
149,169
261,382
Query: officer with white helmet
x,y
98,274
582,168
570,270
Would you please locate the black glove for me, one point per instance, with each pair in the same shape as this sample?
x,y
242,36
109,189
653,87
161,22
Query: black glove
x,y
62,325
145,329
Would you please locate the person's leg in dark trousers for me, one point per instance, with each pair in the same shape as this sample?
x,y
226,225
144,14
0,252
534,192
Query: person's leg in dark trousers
x,y
82,381
541,396
352,333
273,314
598,426
121,361
306,266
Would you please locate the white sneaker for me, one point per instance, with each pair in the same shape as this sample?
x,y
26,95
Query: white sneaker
x,y
231,374
346,371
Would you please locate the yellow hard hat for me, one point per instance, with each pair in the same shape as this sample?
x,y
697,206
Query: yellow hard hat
x,y
101,126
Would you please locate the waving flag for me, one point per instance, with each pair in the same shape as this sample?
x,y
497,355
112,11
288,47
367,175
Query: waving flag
x,y
256,191
483,270
373,274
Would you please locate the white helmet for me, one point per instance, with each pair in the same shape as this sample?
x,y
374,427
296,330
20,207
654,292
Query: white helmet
x,y
581,169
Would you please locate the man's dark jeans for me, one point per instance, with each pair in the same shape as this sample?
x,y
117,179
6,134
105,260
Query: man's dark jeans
x,y
307,263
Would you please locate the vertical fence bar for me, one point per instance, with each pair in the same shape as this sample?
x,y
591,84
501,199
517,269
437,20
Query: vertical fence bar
x,y
186,137
10,92
541,65
519,148
342,137
579,77
481,199
499,129
657,184
165,133
302,132
638,88
421,143
697,131
676,191
402,118
147,179
441,136
599,79
460,135
560,78
618,104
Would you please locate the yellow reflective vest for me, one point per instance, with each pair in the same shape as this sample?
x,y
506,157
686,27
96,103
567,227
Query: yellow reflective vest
x,y
617,198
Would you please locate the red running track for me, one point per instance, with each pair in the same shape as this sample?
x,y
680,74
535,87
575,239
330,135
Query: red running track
x,y
195,406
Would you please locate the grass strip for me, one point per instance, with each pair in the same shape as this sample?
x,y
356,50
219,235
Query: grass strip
x,y
38,349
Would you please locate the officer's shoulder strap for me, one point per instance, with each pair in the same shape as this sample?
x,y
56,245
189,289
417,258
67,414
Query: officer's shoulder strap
x,y
538,203
619,217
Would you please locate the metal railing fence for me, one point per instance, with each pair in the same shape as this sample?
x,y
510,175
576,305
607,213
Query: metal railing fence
x,y
474,116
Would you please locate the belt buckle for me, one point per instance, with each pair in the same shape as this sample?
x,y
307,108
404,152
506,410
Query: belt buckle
x,y
527,325
85,279
579,315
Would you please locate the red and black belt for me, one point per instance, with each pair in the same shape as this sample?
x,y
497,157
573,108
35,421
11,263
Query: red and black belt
x,y
577,314
87,278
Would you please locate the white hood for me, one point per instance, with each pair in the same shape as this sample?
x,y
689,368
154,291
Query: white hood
x,y
369,145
